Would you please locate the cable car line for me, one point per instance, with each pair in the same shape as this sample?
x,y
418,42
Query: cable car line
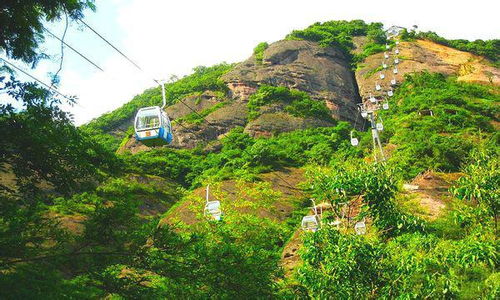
x,y
76,51
180,100
109,43
137,66
38,80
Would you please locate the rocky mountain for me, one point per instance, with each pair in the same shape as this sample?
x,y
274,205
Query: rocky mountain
x,y
297,209
325,73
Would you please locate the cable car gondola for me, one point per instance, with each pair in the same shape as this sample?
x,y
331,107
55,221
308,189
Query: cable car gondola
x,y
152,125
311,223
360,227
212,208
354,140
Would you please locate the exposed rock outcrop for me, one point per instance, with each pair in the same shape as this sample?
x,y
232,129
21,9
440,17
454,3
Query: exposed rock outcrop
x,y
424,55
323,72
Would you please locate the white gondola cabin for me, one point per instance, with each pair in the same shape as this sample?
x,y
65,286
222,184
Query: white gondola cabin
x,y
393,81
354,140
378,87
380,126
395,71
310,223
386,56
381,75
390,93
212,208
385,105
360,228
152,125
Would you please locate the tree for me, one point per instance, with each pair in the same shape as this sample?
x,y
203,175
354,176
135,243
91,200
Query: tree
x,y
480,184
21,28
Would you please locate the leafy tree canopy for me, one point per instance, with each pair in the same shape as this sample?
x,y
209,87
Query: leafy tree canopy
x,y
21,24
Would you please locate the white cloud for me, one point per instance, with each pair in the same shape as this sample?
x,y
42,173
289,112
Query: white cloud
x,y
171,37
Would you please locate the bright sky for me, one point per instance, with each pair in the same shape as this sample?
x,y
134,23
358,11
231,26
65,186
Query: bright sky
x,y
172,37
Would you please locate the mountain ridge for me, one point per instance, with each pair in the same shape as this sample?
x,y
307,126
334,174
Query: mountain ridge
x,y
244,78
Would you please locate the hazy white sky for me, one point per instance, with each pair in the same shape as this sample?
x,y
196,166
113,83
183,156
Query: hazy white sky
x,y
172,37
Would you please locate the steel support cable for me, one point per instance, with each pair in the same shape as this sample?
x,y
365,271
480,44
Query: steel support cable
x,y
74,50
38,80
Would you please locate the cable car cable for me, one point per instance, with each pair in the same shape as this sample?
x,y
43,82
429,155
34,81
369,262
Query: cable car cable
x,y
109,43
156,81
135,64
76,51
38,80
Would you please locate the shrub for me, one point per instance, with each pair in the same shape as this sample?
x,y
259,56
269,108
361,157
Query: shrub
x,y
297,103
258,52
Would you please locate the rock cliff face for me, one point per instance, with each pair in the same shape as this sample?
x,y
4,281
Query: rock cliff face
x,y
324,73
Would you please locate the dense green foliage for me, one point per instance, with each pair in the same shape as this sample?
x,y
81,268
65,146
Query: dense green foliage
x,y
241,155
378,185
340,34
258,52
481,182
297,103
401,260
462,114
409,266
488,48
46,156
78,221
21,28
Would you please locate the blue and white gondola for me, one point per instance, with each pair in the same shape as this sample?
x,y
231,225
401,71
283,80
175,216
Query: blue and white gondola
x,y
152,125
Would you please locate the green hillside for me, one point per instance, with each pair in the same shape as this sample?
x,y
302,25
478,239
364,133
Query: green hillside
x,y
80,220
